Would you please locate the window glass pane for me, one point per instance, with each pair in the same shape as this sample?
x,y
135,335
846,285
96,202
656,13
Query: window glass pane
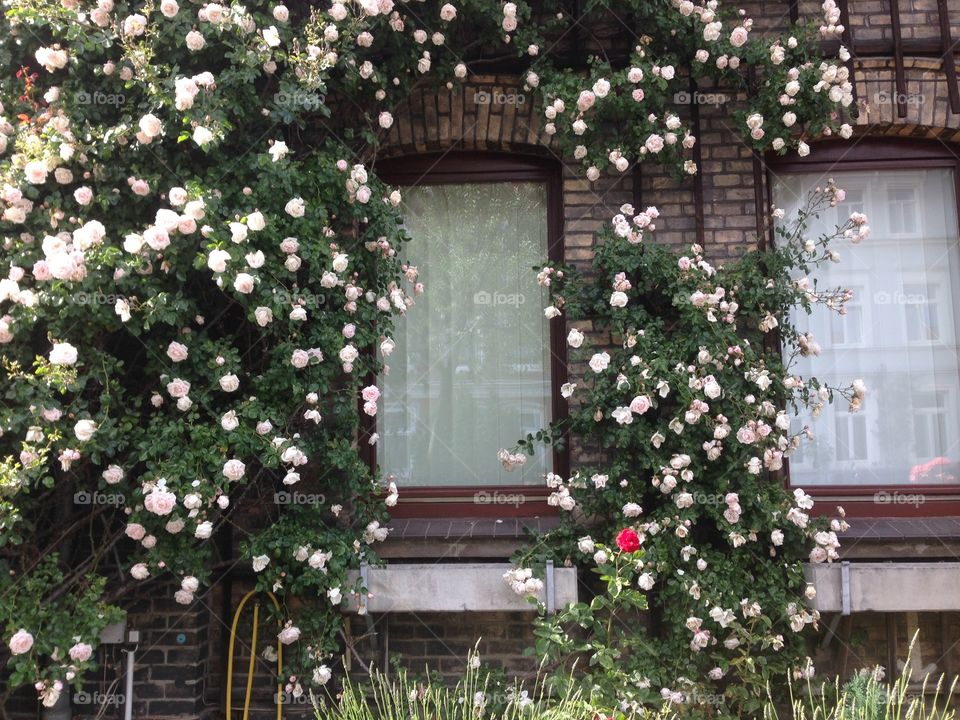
x,y
471,370
900,334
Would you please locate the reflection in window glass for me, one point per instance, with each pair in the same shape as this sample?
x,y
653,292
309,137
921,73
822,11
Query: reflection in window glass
x,y
471,370
848,329
920,306
900,335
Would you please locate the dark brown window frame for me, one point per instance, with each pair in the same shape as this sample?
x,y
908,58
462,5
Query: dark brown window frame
x,y
860,154
483,167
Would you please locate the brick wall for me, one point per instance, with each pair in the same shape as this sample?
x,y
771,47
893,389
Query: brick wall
x,y
730,180
441,642
180,663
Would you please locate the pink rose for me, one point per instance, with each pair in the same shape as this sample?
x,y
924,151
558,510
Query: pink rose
x,y
448,12
160,502
136,531
81,652
640,404
41,271
178,388
139,187
300,358
156,237
21,642
370,393
654,143
177,352
243,283
738,38
586,100
83,195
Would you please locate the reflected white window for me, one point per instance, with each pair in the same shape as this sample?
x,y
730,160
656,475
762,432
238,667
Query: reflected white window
x,y
847,329
900,334
471,370
902,208
922,314
851,435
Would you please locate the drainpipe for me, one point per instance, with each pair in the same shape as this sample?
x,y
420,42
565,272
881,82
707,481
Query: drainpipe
x,y
128,690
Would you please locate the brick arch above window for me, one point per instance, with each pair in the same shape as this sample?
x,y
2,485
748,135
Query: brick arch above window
x,y
926,101
491,112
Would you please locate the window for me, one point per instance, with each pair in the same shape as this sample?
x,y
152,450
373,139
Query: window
x,y
474,368
900,334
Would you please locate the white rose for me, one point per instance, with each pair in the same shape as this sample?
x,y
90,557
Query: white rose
x,y
63,354
243,283
618,299
295,207
113,474
84,430
600,362
217,260
256,221
234,469
575,338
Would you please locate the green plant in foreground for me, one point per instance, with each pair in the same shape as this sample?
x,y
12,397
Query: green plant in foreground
x,y
867,697
478,695
481,695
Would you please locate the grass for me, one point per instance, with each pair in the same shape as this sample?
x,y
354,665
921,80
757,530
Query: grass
x,y
402,696
867,697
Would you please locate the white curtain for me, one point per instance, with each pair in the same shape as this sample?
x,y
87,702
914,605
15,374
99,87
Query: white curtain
x,y
900,334
471,370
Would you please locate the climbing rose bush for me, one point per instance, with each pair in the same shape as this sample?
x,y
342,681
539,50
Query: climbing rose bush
x,y
201,274
688,400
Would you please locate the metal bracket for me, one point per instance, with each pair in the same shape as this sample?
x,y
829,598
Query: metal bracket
x,y
365,581
551,589
845,587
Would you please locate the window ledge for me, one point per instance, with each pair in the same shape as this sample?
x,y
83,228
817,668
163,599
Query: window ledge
x,y
919,528
455,529
852,587
457,587
452,538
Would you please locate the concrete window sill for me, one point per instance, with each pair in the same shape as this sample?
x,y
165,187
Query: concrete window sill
x,y
457,587
886,586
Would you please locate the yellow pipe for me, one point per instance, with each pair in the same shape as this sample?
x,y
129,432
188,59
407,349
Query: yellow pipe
x,y
251,664
253,652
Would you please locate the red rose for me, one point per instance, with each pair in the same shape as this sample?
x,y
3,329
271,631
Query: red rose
x,y
628,540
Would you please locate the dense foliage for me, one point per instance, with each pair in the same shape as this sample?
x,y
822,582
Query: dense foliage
x,y
688,398
200,266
